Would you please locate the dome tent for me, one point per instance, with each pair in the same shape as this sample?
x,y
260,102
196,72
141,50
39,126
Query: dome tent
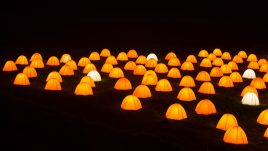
x,y
36,56
151,63
226,82
54,75
122,56
139,70
242,54
265,77
262,61
252,57
132,53
53,84
191,58
174,73
187,81
163,85
174,62
66,70
53,61
116,73
94,74
22,60
83,62
226,56
253,65
65,58
205,63
227,121
249,89
105,52
10,66
130,65
176,112
203,76
94,56
141,60
186,94
149,79
266,133
216,72
235,135
264,68
236,77
263,117
142,91
161,68
123,84
203,53
111,60
131,102
218,62
212,57
88,80
217,52
250,98
170,55
152,55
205,107
226,69
233,65
207,88
258,83
72,64
106,68
21,79
37,63
30,72
89,67
187,66
237,59
83,89
249,74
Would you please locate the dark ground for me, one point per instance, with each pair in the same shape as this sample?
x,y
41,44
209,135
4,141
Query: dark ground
x,y
41,120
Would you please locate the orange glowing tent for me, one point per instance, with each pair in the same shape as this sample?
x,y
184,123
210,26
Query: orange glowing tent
x,y
227,121
203,76
53,84
186,94
161,68
187,81
106,68
83,62
203,54
37,63
123,84
163,85
36,56
187,66
132,54
205,63
122,56
207,88
130,65
54,75
83,89
65,57
66,70
116,73
94,56
235,135
131,102
176,112
142,91
105,52
10,66
205,107
30,72
53,61
174,73
111,60
22,60
170,55
21,79
139,70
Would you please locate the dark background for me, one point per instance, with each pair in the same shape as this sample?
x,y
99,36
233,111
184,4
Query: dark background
x,y
120,26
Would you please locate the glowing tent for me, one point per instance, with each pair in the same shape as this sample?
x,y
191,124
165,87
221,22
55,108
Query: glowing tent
x,y
116,73
10,66
142,91
174,62
242,54
88,80
227,121
94,74
249,89
258,83
212,57
217,52
141,60
94,56
122,56
186,94
236,77
205,107
235,135
218,62
89,67
233,65
170,55
252,57
207,88
226,69
53,84
237,59
264,67
163,85
30,72
151,63
22,60
37,63
107,67
249,74
188,66
66,70
72,64
191,58
21,79
53,61
149,79
105,52
152,55
65,57
266,133
250,98
187,81
36,56
262,61
176,112
83,89
203,53
265,77
132,53
175,73
205,63
263,117
216,72
226,82
83,62
123,84
161,68
226,56
253,65
54,75
111,60
130,65
139,70
203,76
131,102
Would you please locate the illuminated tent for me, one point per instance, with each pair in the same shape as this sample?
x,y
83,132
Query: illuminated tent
x,y
53,61
205,107
65,57
132,53
203,53
94,74
122,56
130,65
116,73
216,72
83,89
88,80
233,65
187,66
218,62
30,72
226,56
174,62
262,61
191,58
53,84
207,88
107,67
94,56
250,98
163,85
139,70
242,54
226,69
186,94
37,63
235,135
236,77
258,83
111,60
152,55
265,77
151,63
187,81
123,84
249,74
141,60
105,52
72,64
264,67
170,55
227,121
10,66
161,68
203,76
22,60
176,112
151,72
149,79
266,133
36,56
205,63
89,67
263,117
83,62
217,52
131,102
66,70
249,89
175,73
238,59
252,57
212,57
253,65
226,82
21,79
54,75
142,91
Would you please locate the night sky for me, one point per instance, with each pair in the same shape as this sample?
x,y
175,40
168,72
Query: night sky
x,y
158,26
